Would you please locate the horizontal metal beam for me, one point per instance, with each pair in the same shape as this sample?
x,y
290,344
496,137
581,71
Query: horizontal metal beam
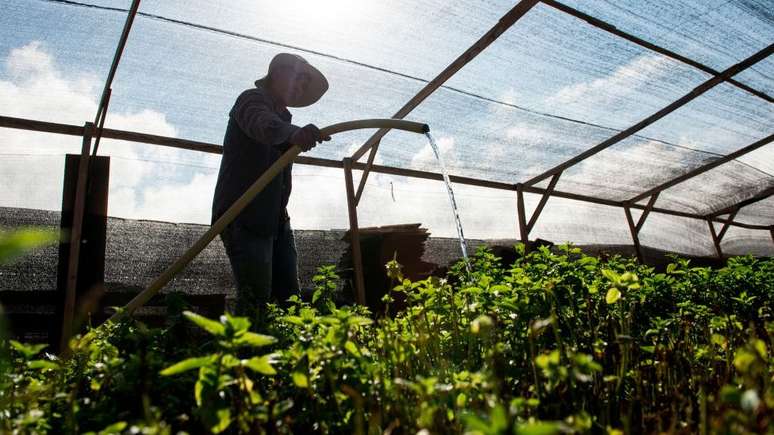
x,y
702,169
766,193
596,22
685,99
50,127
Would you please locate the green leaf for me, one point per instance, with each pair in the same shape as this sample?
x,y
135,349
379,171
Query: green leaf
x,y
359,321
115,428
613,295
539,428
295,320
223,420
542,361
300,380
499,419
760,347
261,364
255,340
237,325
211,326
230,361
612,276
14,244
41,364
743,360
352,348
28,350
188,364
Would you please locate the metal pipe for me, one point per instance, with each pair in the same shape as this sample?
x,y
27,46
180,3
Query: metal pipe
x,y
247,197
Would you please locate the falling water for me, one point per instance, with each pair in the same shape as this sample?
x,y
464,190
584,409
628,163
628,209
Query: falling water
x,y
463,245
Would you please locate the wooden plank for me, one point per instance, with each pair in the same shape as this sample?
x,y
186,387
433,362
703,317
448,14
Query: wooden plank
x,y
727,225
596,22
99,118
91,258
715,239
75,239
366,172
522,216
542,203
474,50
101,124
644,215
635,237
40,126
354,239
702,169
685,99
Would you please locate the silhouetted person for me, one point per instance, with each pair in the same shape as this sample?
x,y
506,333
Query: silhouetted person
x,y
259,242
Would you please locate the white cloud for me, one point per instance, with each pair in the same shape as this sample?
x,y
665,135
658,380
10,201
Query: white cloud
x,y
37,89
622,83
426,157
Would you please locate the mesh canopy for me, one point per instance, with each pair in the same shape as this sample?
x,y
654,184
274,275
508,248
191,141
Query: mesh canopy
x,y
549,88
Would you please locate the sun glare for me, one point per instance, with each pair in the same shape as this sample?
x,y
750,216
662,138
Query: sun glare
x,y
324,15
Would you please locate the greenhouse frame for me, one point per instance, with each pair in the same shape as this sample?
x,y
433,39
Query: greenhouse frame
x,y
545,183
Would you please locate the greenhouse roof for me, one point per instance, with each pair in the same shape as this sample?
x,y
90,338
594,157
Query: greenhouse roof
x,y
619,110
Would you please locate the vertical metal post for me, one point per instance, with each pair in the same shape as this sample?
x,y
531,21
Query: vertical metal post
x,y
75,238
635,236
715,238
354,234
523,230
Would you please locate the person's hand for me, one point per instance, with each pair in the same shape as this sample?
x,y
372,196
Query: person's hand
x,y
307,137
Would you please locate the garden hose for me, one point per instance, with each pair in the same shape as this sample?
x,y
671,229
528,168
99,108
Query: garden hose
x,y
248,196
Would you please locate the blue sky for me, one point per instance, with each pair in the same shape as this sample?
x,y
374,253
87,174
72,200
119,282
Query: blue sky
x,y
181,80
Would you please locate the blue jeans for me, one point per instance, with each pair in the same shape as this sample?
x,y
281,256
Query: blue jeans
x,y
264,267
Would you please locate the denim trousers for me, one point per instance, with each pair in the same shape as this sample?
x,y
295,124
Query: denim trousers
x,y
264,267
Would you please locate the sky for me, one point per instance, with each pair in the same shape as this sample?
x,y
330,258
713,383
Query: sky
x,y
548,89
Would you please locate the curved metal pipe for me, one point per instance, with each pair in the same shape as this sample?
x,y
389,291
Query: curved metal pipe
x,y
249,195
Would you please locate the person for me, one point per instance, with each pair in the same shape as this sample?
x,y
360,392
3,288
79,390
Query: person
x,y
259,242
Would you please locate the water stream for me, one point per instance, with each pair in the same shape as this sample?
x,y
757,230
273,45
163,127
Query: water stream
x,y
455,210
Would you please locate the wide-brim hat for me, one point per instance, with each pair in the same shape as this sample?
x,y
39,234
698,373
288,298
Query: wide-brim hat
x,y
316,87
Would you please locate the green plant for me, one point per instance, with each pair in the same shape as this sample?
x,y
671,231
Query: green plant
x,y
224,391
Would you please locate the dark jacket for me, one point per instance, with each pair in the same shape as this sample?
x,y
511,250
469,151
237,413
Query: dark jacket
x,y
256,136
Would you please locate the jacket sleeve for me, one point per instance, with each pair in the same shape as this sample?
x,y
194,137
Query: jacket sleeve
x,y
254,115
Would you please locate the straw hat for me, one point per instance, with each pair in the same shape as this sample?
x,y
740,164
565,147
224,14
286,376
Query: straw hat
x,y
317,86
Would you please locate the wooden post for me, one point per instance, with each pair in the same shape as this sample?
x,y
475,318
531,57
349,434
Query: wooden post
x,y
635,236
715,239
91,259
354,234
523,230
542,203
75,238
646,212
